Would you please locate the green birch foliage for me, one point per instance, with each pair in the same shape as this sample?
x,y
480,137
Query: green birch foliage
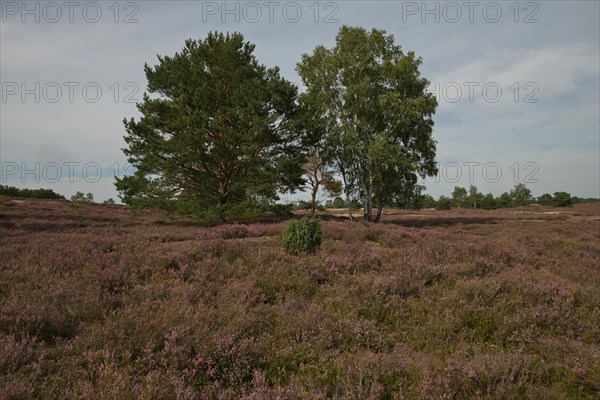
x,y
375,112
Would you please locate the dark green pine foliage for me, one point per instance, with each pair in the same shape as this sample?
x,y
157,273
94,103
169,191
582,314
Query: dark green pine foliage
x,y
219,129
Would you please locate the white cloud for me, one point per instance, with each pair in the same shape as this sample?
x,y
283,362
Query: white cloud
x,y
554,70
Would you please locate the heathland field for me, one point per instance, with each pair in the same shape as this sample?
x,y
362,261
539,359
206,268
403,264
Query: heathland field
x,y
104,302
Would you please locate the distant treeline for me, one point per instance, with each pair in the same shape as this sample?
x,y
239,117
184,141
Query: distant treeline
x,y
462,197
29,193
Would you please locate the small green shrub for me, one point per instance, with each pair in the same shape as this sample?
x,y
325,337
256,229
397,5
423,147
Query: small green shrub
x,y
237,213
302,236
444,203
281,210
562,199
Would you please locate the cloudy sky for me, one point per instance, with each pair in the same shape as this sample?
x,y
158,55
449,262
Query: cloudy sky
x,y
517,82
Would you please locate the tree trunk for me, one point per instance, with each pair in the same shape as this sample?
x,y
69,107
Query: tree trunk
x,y
346,191
349,208
368,206
379,212
368,193
368,202
314,199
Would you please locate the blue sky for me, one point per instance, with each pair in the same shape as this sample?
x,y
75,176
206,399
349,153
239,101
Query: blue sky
x,y
518,82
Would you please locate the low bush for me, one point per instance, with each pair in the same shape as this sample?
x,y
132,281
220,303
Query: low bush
x,y
562,199
302,236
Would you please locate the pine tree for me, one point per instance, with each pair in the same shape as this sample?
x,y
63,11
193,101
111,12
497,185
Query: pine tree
x,y
220,129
